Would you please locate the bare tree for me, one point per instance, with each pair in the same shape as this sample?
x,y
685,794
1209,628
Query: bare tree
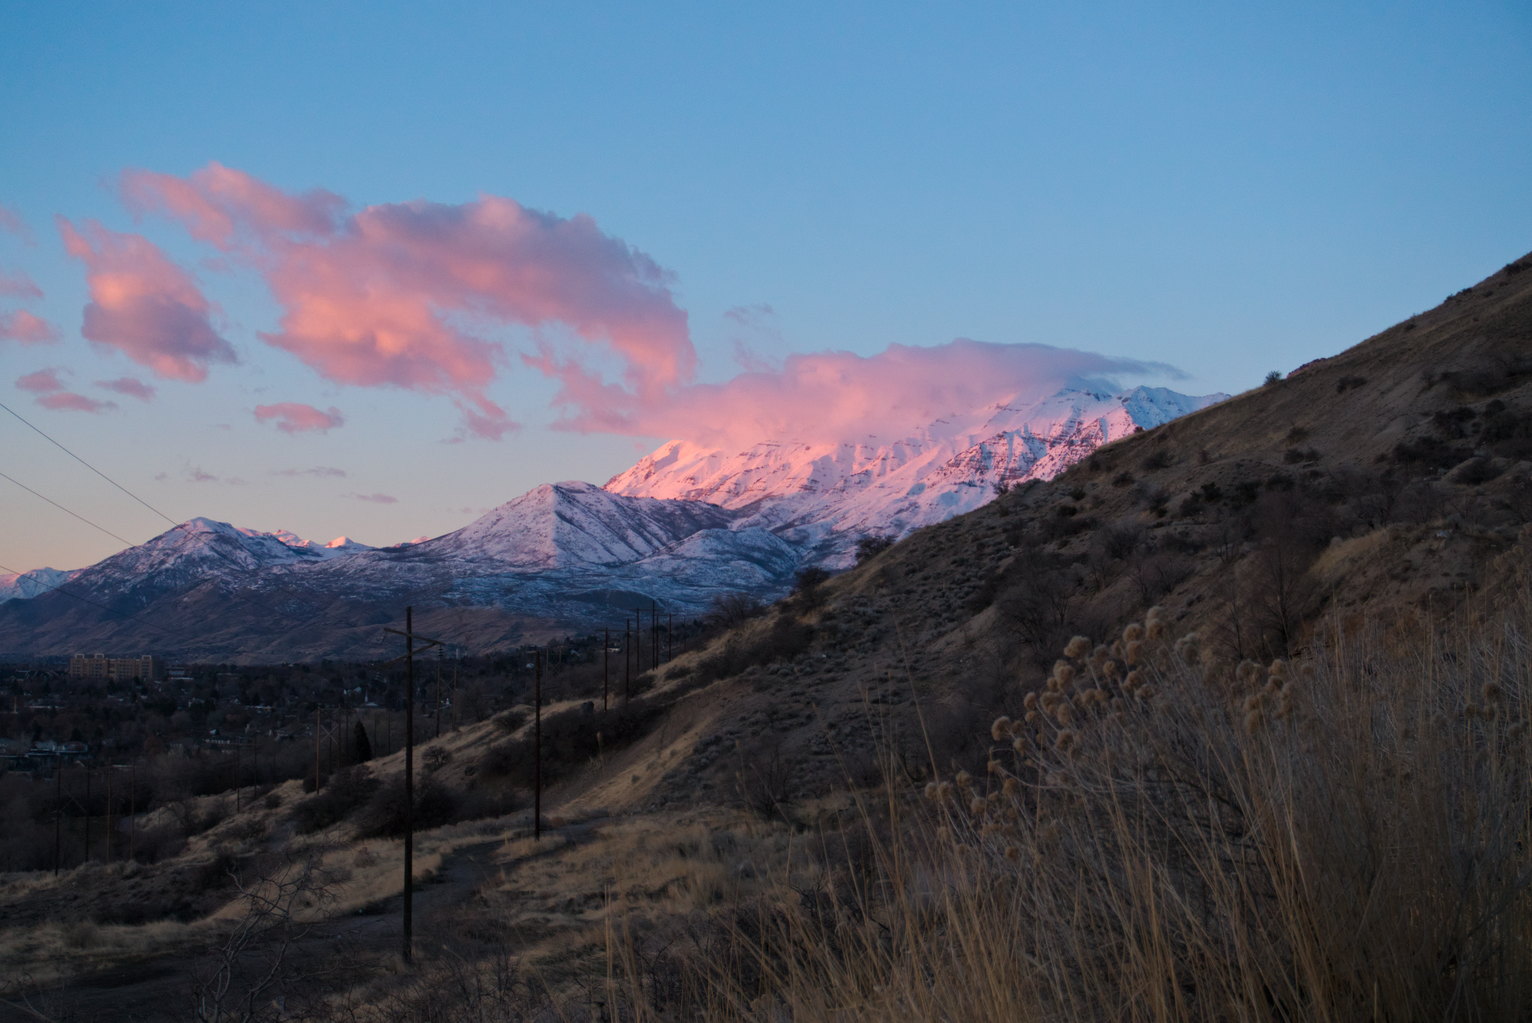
x,y
256,964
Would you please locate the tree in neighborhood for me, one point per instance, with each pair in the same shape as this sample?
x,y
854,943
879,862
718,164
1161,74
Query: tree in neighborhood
x,y
361,746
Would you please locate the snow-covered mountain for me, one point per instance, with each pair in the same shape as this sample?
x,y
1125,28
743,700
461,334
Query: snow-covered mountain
x,y
339,545
562,525
25,585
825,496
683,526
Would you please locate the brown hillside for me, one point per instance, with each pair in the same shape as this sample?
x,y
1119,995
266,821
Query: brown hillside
x,y
1397,475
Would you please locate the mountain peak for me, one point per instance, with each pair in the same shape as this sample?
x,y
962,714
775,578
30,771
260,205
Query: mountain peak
x,y
830,493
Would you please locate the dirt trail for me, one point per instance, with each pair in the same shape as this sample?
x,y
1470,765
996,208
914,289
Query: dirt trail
x,y
161,990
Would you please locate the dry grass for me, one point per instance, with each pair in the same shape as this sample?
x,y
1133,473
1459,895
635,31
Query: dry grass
x,y
1166,839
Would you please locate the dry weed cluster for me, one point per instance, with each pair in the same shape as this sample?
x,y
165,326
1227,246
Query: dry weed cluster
x,y
1162,836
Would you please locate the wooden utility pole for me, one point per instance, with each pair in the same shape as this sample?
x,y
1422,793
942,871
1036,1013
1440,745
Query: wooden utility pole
x,y
87,812
627,669
438,727
606,659
132,809
316,749
409,773
537,751
58,813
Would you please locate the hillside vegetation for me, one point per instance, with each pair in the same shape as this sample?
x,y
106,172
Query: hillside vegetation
x,y
1227,722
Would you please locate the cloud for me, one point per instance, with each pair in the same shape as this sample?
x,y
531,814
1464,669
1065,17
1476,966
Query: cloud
x,y
196,474
751,327
375,498
143,304
219,204
318,470
41,382
18,285
398,294
830,396
293,417
22,326
52,393
12,223
129,386
68,401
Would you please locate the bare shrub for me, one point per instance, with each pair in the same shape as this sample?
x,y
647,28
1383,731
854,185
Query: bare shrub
x,y
347,791
257,963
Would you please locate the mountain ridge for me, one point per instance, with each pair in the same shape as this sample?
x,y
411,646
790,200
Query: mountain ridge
x,y
570,555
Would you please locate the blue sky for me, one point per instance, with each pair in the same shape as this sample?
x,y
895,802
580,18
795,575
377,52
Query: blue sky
x,y
1225,188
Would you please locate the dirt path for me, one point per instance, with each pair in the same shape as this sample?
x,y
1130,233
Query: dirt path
x,y
325,956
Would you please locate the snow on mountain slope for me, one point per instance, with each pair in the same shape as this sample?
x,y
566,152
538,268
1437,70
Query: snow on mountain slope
x,y
683,526
25,585
338,546
813,492
196,552
563,525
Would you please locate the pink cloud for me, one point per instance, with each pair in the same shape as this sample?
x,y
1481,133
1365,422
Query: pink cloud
x,y
143,304
19,285
22,326
41,382
217,203
51,393
375,498
70,402
829,396
385,296
129,386
292,417
9,221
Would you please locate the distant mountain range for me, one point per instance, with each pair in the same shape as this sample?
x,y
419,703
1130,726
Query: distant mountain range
x,y
681,527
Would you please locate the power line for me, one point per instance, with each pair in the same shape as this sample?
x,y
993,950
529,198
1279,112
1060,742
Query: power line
x,y
213,549
252,594
66,511
92,468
